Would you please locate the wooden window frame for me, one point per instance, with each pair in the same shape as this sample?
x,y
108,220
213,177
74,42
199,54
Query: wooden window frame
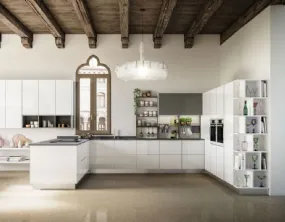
x,y
93,99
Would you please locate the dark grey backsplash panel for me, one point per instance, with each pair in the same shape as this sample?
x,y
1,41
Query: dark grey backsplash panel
x,y
180,104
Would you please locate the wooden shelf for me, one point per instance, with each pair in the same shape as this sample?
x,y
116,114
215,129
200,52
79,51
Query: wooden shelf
x,y
147,97
147,116
154,106
146,126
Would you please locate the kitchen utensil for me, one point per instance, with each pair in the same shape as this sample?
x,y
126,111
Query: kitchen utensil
x,y
166,127
152,133
141,133
161,126
148,133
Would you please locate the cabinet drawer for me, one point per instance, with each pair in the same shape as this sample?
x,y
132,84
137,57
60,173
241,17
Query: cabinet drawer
x,y
193,162
126,147
170,162
148,161
193,147
170,147
102,148
147,147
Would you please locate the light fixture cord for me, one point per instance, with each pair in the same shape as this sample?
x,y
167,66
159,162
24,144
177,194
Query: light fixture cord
x,y
142,44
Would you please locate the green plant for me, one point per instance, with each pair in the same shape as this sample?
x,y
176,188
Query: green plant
x,y
182,120
137,93
188,120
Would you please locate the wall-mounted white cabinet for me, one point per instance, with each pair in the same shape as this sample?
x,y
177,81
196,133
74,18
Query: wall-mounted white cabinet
x,y
213,102
2,103
64,97
13,103
220,101
30,97
47,97
207,103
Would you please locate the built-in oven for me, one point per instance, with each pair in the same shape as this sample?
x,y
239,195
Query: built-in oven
x,y
213,132
220,131
217,131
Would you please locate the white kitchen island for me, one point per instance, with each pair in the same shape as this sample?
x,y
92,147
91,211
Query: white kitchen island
x,y
58,165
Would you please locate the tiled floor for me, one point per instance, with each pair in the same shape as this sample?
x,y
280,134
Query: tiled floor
x,y
132,198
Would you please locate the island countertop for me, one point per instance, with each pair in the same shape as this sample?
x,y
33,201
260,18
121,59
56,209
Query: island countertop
x,y
51,143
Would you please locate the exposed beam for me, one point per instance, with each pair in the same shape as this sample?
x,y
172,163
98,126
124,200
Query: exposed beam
x,y
124,22
43,12
278,2
200,21
164,17
247,16
83,14
16,26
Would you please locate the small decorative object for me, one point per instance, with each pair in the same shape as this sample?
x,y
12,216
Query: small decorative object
x,y
254,92
145,113
238,145
238,182
62,125
11,144
146,103
248,124
166,127
245,110
144,95
141,134
246,176
254,159
244,144
2,142
139,122
19,140
28,126
149,113
253,123
27,144
141,103
153,113
255,140
248,91
173,134
264,164
261,180
255,108
85,136
44,123
58,125
36,123
148,93
150,103
189,131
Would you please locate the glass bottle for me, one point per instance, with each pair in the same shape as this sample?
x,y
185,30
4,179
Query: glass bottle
x,y
245,110
244,144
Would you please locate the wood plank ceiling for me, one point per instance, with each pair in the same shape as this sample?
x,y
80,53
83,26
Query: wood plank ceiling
x,y
92,17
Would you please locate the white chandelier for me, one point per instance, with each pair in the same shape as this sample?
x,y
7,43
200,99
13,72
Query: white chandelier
x,y
142,69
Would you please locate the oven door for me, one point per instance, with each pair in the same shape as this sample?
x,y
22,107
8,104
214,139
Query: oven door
x,y
213,133
220,133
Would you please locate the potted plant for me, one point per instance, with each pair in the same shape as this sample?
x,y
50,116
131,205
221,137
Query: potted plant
x,y
137,93
188,121
182,121
173,134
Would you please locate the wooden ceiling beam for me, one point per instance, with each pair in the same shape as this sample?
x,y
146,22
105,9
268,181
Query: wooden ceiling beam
x,y
43,12
16,26
247,16
200,21
163,20
124,22
83,14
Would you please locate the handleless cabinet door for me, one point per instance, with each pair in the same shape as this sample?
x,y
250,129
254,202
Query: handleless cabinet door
x,y
46,97
220,162
126,147
64,97
170,162
148,147
30,97
2,104
213,159
13,104
170,147
193,147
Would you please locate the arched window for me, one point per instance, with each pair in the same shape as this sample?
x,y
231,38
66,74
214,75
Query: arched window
x,y
93,103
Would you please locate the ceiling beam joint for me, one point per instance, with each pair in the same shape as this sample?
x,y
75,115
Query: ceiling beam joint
x,y
124,6
84,16
45,15
16,26
163,20
204,15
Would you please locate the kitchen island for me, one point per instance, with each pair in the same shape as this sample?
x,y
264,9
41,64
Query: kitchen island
x,y
57,164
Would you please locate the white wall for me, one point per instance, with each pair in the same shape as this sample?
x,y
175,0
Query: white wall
x,y
277,104
190,70
246,55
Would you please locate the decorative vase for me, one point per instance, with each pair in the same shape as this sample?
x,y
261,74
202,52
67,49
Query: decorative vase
x,y
20,144
2,142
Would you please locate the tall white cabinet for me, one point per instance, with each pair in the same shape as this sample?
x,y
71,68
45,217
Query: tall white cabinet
x,y
2,103
64,97
13,103
30,97
47,97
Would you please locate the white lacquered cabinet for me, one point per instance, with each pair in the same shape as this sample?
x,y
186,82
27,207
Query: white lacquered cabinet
x,y
102,148
2,104
148,162
46,97
170,147
148,147
207,155
13,104
170,162
207,103
64,97
193,162
30,97
213,159
192,147
220,101
213,102
125,147
220,162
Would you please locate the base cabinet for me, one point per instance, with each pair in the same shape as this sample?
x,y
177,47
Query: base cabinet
x,y
213,158
170,162
193,162
220,162
148,162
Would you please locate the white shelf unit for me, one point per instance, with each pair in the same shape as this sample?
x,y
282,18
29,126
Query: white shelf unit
x,y
250,134
15,166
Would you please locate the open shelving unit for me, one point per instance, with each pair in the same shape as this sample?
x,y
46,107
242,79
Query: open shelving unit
x,y
57,121
251,145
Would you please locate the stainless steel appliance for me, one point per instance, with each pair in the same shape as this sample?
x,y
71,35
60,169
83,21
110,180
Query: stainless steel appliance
x,y
217,130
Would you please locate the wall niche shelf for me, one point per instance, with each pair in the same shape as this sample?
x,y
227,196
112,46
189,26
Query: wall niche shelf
x,y
50,121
